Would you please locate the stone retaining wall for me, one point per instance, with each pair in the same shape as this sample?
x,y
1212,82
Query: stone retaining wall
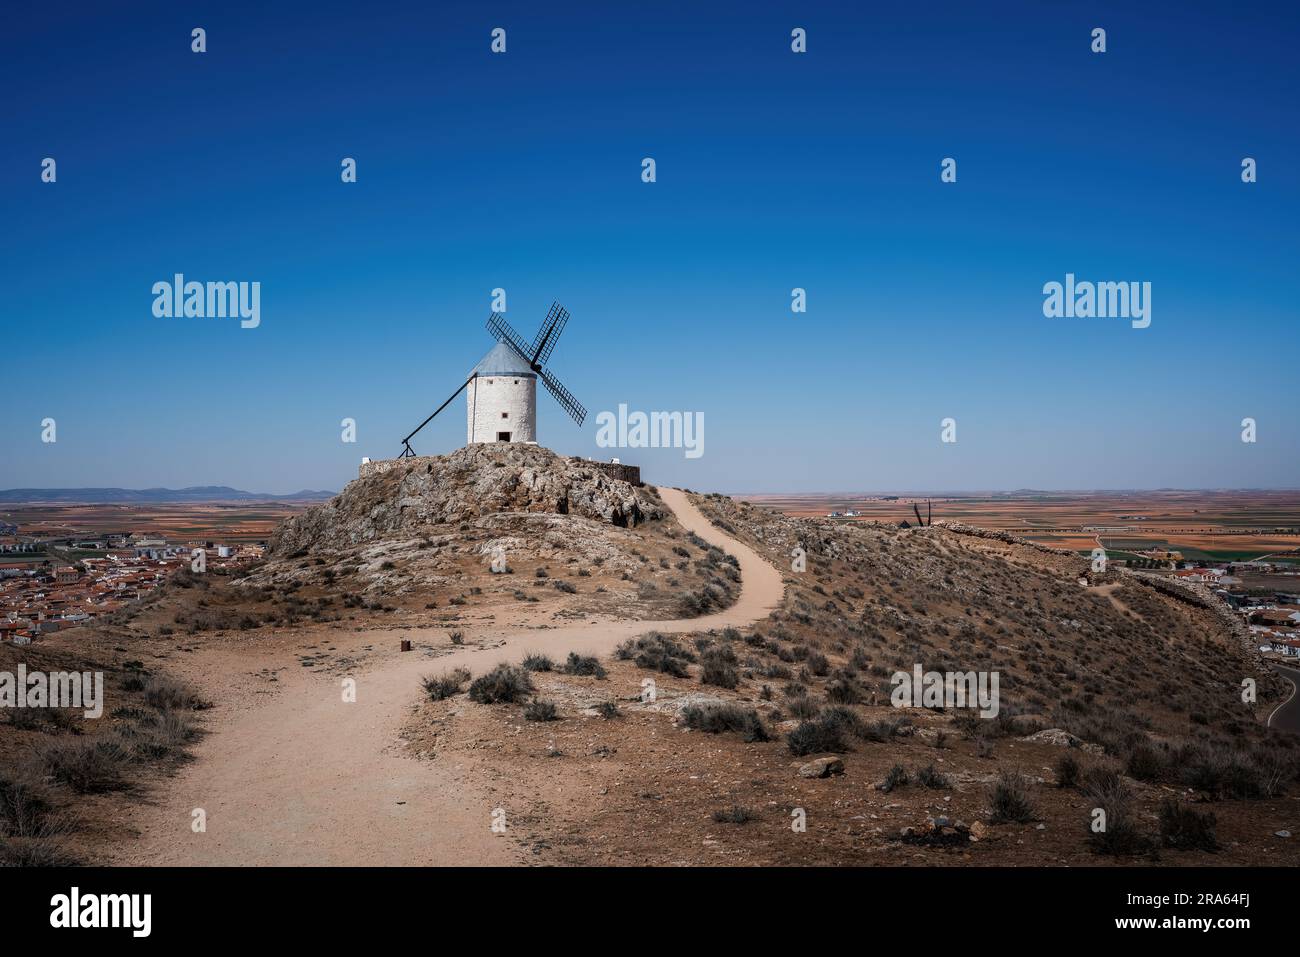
x,y
378,466
615,470
975,531
1193,593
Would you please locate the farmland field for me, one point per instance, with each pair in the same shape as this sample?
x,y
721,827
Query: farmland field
x,y
230,523
1209,525
1212,525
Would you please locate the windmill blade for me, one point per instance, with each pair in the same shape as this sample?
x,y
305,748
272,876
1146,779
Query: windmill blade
x,y
549,334
497,325
564,397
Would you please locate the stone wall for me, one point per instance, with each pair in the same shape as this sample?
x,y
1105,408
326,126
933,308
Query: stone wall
x,y
999,535
379,466
1192,593
1195,593
617,470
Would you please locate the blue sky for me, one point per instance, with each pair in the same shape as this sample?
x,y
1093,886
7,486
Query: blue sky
x,y
775,170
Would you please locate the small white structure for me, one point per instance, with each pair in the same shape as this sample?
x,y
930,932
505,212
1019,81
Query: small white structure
x,y
501,399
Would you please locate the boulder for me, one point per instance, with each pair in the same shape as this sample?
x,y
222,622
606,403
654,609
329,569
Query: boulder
x,y
1056,736
1061,738
822,767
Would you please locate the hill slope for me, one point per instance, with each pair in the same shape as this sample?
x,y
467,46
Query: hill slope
x,y
1139,690
470,483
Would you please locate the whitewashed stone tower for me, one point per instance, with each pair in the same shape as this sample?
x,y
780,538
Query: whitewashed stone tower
x,y
501,400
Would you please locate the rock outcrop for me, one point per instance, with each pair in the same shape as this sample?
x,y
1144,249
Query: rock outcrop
x,y
407,500
822,767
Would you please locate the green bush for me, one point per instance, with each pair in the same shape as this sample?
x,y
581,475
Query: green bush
x,y
822,734
585,665
538,710
718,667
536,662
446,685
1067,770
88,765
1145,762
656,652
1121,835
717,718
896,777
165,693
931,777
843,691
1009,800
26,806
504,683
803,706
1186,828
1220,771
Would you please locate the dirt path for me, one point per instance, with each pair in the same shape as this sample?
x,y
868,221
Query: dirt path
x,y
1287,715
304,778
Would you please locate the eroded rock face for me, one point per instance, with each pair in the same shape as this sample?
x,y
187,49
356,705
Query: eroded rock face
x,y
410,497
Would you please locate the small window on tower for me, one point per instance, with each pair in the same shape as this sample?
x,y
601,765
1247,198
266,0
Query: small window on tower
x,y
516,382
505,415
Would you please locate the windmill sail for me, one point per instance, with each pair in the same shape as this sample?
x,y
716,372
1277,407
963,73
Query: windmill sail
x,y
549,334
564,397
498,326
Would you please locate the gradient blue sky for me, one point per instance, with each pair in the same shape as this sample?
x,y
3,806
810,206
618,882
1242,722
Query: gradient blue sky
x,y
775,170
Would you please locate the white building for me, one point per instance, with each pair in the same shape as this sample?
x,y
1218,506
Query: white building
x,y
1208,576
501,400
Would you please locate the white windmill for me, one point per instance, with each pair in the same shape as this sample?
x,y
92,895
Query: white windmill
x,y
501,401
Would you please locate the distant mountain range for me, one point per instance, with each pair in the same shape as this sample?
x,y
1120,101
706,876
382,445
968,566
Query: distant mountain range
x,y
195,493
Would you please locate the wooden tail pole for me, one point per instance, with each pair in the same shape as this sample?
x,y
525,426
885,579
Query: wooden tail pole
x,y
407,441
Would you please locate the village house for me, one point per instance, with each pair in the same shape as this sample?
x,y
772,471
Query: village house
x,y
66,575
1205,576
1286,647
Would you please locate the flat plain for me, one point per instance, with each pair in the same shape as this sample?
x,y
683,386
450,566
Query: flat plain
x,y
1227,525
1215,525
233,522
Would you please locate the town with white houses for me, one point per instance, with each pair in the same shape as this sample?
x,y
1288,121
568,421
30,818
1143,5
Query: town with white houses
x,y
53,584
1272,616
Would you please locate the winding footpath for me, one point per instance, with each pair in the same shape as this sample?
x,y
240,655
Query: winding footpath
x,y
1286,716
306,779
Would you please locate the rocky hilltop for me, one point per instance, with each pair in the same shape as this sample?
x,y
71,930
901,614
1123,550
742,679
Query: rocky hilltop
x,y
414,495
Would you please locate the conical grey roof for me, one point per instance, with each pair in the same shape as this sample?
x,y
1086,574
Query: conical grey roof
x,y
502,360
